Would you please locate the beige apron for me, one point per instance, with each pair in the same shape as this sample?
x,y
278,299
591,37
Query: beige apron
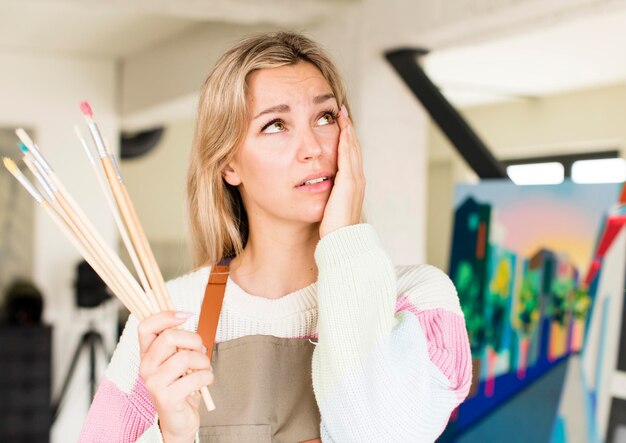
x,y
263,390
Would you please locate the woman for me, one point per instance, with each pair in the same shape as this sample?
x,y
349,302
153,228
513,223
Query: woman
x,y
276,182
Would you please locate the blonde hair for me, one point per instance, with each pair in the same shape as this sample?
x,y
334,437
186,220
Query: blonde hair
x,y
218,225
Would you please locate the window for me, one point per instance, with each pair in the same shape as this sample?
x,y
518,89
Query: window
x,y
606,170
592,167
549,173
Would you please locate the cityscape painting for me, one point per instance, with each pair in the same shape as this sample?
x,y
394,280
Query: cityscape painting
x,y
531,266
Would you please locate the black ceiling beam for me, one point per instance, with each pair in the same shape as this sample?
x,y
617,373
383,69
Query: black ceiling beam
x,y
463,138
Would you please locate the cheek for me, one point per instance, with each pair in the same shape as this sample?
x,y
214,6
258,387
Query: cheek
x,y
256,156
263,166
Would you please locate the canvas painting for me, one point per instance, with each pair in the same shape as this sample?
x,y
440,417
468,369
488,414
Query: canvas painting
x,y
525,263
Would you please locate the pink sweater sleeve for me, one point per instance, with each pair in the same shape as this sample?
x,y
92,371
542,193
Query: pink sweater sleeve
x,y
122,411
442,321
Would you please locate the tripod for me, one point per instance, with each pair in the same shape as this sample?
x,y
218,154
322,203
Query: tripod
x,y
90,340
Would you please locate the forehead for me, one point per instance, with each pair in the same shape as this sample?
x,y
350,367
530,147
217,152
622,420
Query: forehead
x,y
285,85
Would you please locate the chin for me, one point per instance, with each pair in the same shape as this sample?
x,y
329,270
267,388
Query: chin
x,y
305,210
313,218
314,214
318,210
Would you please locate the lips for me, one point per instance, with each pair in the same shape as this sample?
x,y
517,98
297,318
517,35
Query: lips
x,y
323,174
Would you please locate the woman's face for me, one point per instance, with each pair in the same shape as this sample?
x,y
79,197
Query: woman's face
x,y
292,137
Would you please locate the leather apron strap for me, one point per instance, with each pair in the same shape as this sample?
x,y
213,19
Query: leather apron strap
x,y
212,304
211,309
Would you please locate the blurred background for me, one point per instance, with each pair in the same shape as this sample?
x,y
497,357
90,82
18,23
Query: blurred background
x,y
452,99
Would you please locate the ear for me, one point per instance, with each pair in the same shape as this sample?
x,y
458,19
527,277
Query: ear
x,y
230,175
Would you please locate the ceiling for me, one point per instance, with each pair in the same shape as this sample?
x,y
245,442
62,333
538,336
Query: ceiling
x,y
563,54
86,28
583,52
120,28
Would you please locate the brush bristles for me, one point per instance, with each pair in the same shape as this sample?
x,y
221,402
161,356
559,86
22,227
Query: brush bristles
x,y
24,137
10,165
86,109
15,171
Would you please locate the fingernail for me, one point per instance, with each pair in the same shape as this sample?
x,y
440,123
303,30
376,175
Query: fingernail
x,y
204,349
183,314
344,111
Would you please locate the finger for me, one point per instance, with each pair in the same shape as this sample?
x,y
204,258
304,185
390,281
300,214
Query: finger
x,y
344,162
353,144
343,148
154,325
188,384
357,159
194,399
354,148
356,144
343,120
167,344
347,128
178,365
357,174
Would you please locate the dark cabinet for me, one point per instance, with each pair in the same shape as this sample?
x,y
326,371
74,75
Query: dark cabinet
x,y
25,383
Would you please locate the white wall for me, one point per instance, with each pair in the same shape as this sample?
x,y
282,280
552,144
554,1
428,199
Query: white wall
x,y
177,67
156,182
43,92
392,128
582,121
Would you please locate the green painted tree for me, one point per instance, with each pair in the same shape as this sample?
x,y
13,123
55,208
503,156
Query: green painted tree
x,y
497,303
562,291
528,305
468,287
581,303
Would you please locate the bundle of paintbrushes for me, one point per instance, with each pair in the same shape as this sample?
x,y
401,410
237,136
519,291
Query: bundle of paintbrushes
x,y
141,300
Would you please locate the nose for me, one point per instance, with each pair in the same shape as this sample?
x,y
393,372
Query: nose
x,y
309,146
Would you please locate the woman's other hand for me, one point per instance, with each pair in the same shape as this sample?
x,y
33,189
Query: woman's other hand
x,y
167,357
346,198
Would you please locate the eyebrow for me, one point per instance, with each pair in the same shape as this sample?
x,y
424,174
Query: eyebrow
x,y
285,108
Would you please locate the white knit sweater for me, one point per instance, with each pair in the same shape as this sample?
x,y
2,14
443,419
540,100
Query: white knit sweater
x,y
391,363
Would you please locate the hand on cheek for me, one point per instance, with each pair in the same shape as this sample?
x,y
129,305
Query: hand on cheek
x,y
346,198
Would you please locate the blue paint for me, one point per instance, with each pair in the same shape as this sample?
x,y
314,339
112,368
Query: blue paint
x,y
603,325
527,417
559,433
589,400
480,408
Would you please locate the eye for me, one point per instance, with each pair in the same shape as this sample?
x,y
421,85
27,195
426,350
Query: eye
x,y
276,125
328,118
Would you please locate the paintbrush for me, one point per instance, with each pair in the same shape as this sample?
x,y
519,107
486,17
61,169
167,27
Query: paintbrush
x,y
116,215
75,217
70,233
131,219
128,212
